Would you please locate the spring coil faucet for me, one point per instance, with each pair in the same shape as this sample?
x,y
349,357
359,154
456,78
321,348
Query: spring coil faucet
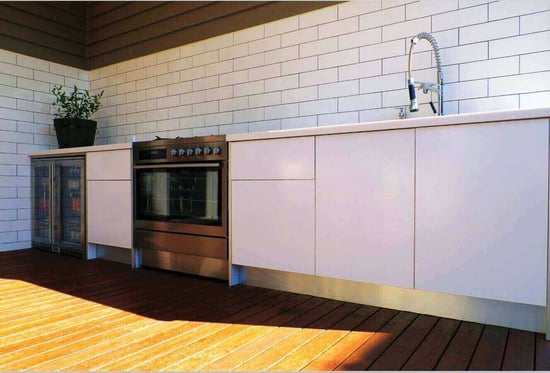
x,y
425,86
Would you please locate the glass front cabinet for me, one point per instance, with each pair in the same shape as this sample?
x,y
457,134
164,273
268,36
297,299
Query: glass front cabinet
x,y
58,205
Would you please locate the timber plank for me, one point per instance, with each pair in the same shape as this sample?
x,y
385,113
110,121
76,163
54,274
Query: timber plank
x,y
458,354
429,352
520,351
397,354
490,350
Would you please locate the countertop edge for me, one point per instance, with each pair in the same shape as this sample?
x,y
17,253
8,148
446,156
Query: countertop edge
x,y
80,150
397,124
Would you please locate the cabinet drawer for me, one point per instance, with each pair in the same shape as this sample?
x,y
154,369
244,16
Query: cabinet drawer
x,y
290,158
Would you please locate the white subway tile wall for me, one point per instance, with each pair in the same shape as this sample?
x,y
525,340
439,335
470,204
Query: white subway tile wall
x,y
341,64
26,121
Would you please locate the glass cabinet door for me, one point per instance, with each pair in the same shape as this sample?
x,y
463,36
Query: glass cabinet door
x,y
70,188
42,202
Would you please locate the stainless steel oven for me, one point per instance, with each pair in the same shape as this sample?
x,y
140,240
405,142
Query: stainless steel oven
x,y
180,204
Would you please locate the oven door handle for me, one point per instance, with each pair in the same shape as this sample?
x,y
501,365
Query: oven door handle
x,y
176,165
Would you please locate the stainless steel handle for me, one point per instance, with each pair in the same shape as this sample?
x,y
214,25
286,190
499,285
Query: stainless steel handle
x,y
176,165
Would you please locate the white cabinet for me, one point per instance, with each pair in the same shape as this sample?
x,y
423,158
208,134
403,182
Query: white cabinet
x,y
482,210
272,204
109,197
365,207
273,224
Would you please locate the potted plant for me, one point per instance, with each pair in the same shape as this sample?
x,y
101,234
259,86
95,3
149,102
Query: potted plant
x,y
73,126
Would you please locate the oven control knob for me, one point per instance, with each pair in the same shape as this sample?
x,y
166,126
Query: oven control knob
x,y
217,150
190,151
208,150
198,151
174,152
182,152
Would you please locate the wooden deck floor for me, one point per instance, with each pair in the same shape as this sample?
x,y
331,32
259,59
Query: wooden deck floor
x,y
60,313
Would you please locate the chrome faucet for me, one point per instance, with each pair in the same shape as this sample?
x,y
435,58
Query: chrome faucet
x,y
426,86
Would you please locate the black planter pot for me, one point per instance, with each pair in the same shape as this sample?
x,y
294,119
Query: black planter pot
x,y
72,132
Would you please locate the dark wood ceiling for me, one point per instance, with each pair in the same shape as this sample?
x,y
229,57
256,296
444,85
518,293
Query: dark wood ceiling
x,y
90,35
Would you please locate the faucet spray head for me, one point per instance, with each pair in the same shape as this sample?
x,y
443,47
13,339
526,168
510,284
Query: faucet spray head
x,y
412,95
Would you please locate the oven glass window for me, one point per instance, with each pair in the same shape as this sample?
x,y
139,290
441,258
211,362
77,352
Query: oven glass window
x,y
187,195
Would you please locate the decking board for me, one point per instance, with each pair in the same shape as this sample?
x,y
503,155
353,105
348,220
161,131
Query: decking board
x,y
62,313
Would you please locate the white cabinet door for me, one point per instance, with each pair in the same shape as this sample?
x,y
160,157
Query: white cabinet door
x,y
482,210
109,165
289,158
365,207
110,213
273,224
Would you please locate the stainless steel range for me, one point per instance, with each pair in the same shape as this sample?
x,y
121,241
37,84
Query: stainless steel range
x,y
180,205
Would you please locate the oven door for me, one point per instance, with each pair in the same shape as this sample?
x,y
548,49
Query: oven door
x,y
181,198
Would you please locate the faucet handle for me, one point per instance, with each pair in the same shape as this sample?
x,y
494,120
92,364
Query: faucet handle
x,y
402,112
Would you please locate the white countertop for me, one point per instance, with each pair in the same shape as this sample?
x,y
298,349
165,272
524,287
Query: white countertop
x,y
434,121
80,150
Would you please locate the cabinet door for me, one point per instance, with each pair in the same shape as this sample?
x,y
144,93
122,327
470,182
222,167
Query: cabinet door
x,y
482,210
109,165
273,224
289,158
110,213
365,207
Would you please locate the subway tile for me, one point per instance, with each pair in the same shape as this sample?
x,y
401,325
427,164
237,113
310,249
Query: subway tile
x,y
318,77
281,26
489,104
338,118
205,58
429,7
420,60
132,75
64,70
205,83
357,8
8,125
205,108
465,90
318,47
360,102
248,62
233,78
534,22
382,18
464,53
489,31
218,42
168,55
168,101
126,108
249,34
282,83
471,3
341,58
282,55
524,83
71,82
300,122
146,83
460,18
445,39
523,44
534,62
346,88
233,128
146,106
236,51
382,83
192,97
511,8
194,73
159,114
249,115
299,94
360,39
219,93
180,111
264,72
246,89
318,17
31,63
265,99
37,107
281,111
8,80
219,68
534,100
16,115
7,147
180,64
205,131
319,107
299,66
168,78
8,102
265,125
383,50
146,127
8,57
14,70
190,50
373,115
134,96
236,103
489,68
341,27
299,37
263,45
156,70
217,119
360,70
406,29
7,214
7,192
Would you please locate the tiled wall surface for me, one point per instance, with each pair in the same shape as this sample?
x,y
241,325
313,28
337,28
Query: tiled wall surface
x,y
342,64
25,126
